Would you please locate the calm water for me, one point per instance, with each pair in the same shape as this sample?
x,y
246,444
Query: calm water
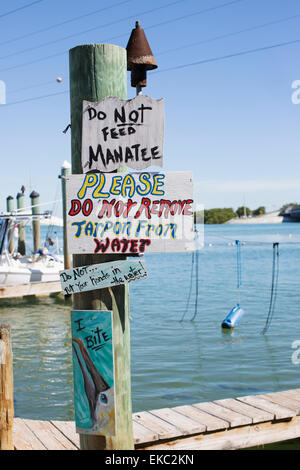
x,y
173,362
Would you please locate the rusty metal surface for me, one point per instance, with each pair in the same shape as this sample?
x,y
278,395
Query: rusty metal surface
x,y
138,50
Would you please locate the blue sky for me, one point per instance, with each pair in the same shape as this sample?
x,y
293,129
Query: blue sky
x,y
231,120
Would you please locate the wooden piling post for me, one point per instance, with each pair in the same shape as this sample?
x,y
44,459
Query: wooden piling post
x,y
35,200
6,390
98,71
65,171
21,225
10,236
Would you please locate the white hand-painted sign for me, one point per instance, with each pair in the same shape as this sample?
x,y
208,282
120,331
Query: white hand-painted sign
x,y
130,213
118,133
99,276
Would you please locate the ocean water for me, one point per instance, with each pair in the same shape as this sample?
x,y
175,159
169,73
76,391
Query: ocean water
x,y
176,362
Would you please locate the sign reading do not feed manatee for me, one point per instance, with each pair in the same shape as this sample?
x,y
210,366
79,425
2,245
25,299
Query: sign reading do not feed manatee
x,y
119,133
129,213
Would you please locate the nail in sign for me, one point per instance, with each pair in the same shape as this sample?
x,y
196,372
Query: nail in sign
x,y
118,133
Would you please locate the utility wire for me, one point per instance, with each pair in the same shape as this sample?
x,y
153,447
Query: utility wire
x,y
201,62
227,35
111,23
228,56
71,20
215,38
35,98
20,8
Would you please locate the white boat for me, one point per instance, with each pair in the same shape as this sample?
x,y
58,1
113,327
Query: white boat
x,y
16,269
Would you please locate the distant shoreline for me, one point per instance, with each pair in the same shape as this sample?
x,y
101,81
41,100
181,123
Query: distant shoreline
x,y
269,218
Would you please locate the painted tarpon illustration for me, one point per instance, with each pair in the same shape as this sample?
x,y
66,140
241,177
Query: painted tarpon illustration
x,y
99,395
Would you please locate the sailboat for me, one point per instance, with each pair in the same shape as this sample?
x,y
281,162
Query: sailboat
x,y
16,269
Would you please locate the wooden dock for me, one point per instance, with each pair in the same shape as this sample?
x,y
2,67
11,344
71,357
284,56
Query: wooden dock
x,y
32,288
219,425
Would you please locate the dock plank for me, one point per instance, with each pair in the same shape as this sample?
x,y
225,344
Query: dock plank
x,y
236,438
278,411
160,427
210,423
49,435
295,394
142,434
283,400
256,415
33,288
234,419
24,438
186,424
68,429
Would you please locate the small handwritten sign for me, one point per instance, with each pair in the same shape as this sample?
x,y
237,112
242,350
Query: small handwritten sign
x,y
99,276
93,371
119,133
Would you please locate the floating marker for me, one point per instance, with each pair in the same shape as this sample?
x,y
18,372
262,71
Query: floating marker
x,y
233,318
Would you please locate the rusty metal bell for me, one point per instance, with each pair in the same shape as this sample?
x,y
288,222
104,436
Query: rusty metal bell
x,y
139,57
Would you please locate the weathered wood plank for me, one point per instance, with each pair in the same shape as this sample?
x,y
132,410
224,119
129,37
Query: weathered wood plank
x,y
237,438
6,389
256,415
210,422
34,288
68,429
295,394
283,400
142,434
163,429
234,419
49,435
186,424
278,411
24,438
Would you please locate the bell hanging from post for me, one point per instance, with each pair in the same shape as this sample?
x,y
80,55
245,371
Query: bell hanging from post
x,y
139,57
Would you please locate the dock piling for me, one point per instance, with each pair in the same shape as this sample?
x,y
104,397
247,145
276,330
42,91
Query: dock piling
x,y
21,225
6,390
35,200
98,71
10,208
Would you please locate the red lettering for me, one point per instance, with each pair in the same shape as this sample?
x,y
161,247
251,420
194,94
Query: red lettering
x,y
87,207
145,205
75,207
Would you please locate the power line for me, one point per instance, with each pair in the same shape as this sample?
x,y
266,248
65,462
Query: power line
x,y
200,62
35,98
33,33
111,23
204,41
228,56
20,8
124,34
189,15
226,35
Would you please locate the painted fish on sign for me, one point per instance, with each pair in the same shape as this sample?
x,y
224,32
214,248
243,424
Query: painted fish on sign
x,y
99,276
93,371
118,133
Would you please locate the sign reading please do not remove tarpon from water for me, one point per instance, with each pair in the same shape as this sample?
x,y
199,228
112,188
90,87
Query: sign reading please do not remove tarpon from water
x,y
130,213
118,133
